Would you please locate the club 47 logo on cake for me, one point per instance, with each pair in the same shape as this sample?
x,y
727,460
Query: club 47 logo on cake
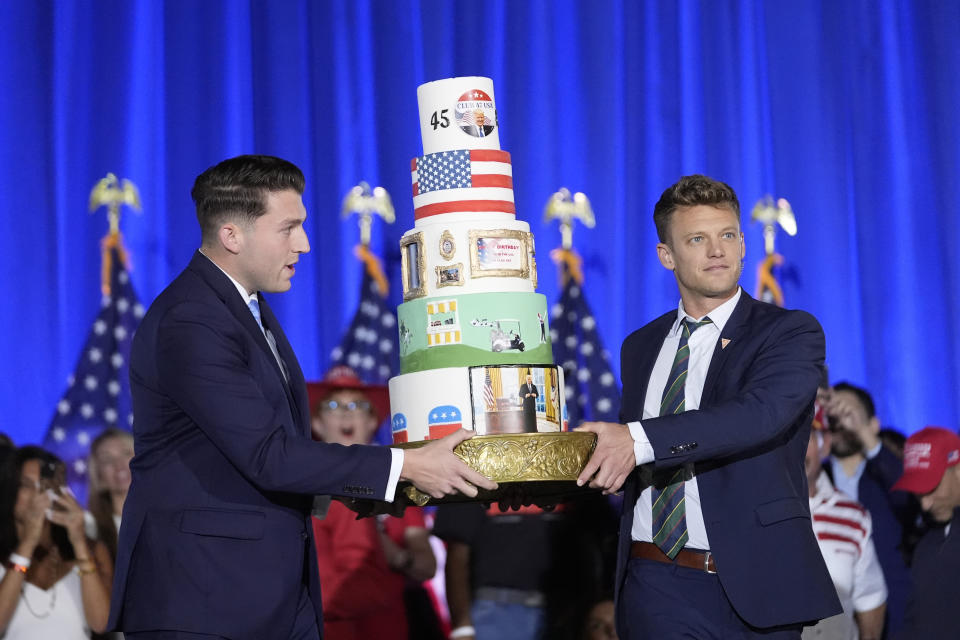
x,y
443,421
475,113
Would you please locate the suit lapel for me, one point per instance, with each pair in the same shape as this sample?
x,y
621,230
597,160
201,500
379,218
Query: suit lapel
x,y
649,357
730,337
227,292
296,388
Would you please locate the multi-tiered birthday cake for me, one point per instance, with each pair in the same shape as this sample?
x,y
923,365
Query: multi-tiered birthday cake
x,y
474,341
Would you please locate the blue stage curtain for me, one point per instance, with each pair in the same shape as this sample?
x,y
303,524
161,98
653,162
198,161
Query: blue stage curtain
x,y
847,108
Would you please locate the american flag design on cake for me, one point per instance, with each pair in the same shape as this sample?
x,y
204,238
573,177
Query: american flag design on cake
x,y
462,180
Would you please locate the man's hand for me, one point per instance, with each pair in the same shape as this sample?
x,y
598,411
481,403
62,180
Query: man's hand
x,y
437,471
613,458
846,412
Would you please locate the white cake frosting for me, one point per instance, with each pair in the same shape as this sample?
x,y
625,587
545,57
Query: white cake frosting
x,y
473,331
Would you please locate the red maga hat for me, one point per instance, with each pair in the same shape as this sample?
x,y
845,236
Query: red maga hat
x,y
926,455
343,377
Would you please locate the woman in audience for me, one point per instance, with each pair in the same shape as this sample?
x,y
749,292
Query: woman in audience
x,y
109,469
365,564
55,582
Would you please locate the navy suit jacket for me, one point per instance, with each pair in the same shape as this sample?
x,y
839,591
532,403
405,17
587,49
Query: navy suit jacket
x,y
216,534
747,443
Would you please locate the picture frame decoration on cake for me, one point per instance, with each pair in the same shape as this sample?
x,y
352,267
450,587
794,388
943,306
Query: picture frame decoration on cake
x,y
448,245
413,266
498,253
450,275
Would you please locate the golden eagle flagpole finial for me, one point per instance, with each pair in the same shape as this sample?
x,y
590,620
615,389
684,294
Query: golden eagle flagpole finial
x,y
111,193
566,208
771,214
366,202
107,193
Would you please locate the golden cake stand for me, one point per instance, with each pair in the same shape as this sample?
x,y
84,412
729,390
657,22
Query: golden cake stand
x,y
539,468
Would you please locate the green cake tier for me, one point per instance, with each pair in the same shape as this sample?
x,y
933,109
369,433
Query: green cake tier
x,y
472,329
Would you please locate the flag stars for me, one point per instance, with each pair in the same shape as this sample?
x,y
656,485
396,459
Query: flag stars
x,y
586,348
86,410
110,415
95,355
604,405
113,387
583,374
90,382
122,305
588,323
122,277
63,407
606,379
138,310
59,435
99,327
80,466
83,438
119,332
571,342
116,360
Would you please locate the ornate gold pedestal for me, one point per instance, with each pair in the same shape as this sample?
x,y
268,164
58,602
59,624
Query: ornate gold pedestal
x,y
535,467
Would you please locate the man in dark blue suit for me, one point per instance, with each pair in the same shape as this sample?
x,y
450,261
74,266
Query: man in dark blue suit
x,y
216,538
715,538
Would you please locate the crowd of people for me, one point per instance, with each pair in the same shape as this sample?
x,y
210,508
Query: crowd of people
x,y
525,574
753,504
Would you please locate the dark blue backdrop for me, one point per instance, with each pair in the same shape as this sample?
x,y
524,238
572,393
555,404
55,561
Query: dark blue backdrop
x,y
848,109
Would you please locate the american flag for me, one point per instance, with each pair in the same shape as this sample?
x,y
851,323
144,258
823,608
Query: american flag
x,y
462,180
369,345
488,399
98,391
590,386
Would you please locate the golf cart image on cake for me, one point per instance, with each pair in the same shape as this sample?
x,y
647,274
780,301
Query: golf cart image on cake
x,y
505,335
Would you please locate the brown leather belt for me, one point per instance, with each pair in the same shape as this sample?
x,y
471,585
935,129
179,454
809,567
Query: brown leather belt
x,y
701,560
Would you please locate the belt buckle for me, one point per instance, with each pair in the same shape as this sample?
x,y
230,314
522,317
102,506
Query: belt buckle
x,y
706,562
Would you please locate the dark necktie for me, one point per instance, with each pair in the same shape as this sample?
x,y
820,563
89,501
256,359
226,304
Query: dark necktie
x,y
669,511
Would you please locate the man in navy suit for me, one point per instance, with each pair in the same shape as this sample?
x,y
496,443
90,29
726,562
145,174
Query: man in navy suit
x,y
715,538
216,538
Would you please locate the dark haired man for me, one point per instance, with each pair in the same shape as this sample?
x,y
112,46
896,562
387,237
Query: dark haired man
x,y
861,467
715,538
216,538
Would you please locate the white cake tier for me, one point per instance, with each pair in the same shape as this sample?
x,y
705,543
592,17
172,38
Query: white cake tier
x,y
473,329
492,399
458,113
462,180
441,258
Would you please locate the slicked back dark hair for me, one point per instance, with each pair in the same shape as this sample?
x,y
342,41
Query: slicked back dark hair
x,y
866,400
236,190
690,191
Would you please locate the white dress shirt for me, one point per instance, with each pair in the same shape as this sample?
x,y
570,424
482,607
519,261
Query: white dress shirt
x,y
702,343
396,462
